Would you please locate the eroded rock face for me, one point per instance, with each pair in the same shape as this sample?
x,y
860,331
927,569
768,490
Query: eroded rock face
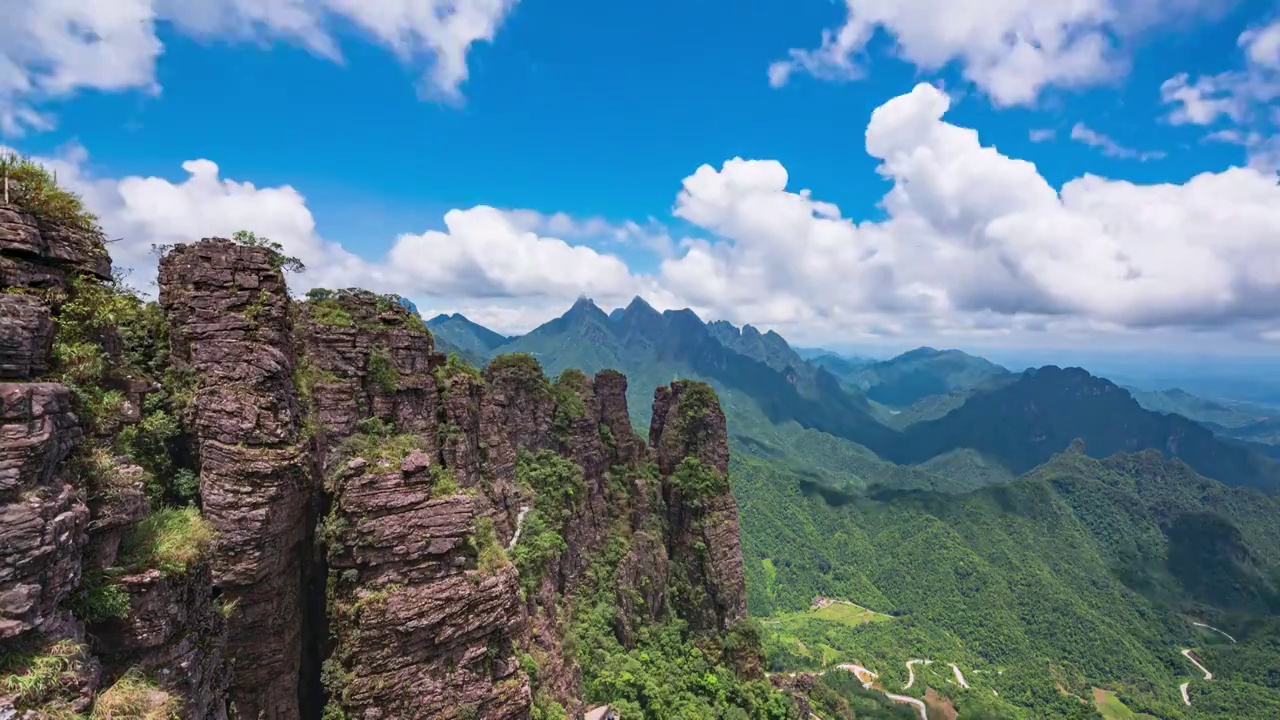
x,y
228,313
702,517
365,356
424,627
26,334
175,633
67,249
42,519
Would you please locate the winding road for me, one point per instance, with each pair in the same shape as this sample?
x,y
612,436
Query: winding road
x,y
1185,688
1210,627
959,676
868,678
1207,675
911,673
519,526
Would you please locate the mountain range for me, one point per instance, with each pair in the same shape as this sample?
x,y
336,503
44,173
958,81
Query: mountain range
x,y
923,406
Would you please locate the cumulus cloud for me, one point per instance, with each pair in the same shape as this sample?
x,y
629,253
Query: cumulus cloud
x,y
1011,50
480,254
1084,134
53,48
1240,102
973,235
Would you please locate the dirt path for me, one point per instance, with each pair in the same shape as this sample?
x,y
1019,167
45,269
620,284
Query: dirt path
x,y
911,673
959,676
1186,693
519,526
868,679
1188,655
918,704
1210,627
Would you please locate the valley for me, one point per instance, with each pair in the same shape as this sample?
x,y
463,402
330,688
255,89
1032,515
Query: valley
x,y
1044,553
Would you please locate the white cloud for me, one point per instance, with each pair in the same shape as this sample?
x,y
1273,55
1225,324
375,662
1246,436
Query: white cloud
x,y
975,238
481,253
53,48
974,243
1084,134
1011,49
1043,134
1242,100
50,49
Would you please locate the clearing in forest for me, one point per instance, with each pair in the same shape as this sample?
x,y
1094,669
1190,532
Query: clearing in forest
x,y
1111,707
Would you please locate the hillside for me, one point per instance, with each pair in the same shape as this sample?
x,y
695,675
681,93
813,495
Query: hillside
x,y
474,342
1024,423
921,373
1082,574
1223,413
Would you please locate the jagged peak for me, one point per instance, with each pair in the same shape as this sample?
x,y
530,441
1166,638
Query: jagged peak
x,y
639,305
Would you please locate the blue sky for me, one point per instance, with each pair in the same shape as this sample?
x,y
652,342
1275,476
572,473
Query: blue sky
x,y
601,111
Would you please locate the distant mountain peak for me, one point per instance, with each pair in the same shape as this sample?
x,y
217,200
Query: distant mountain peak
x,y
640,304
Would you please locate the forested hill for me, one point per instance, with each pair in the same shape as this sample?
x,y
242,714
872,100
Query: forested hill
x,y
1024,423
1083,574
921,373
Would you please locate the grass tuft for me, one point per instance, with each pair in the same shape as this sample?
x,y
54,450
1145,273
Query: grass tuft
x,y
168,540
135,697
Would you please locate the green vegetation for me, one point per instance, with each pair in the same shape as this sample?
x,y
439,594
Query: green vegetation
x,y
1111,708
382,369
554,484
35,677
696,482
568,391
34,189
135,697
539,544
276,250
377,442
168,540
840,696
98,599
490,556
325,308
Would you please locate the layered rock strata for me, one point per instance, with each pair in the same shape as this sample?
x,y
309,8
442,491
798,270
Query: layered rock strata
x,y
229,317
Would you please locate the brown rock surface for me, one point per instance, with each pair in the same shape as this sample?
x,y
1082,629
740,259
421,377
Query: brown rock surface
x,y
228,314
23,236
702,542
42,519
26,335
175,633
424,629
366,356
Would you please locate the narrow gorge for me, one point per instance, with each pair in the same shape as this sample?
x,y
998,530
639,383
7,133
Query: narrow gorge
x,y
234,503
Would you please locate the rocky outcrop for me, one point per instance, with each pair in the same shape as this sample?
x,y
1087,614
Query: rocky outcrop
x,y
229,317
63,250
173,632
26,334
424,606
691,447
365,494
42,519
364,356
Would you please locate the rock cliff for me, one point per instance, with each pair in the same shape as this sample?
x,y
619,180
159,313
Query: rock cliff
x,y
377,531
85,617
